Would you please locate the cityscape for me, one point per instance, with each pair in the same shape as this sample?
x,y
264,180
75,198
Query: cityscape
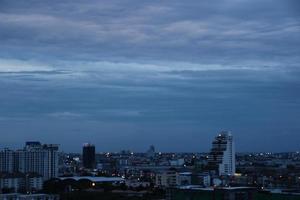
x,y
42,171
150,100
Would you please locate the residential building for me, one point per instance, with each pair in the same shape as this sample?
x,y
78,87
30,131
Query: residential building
x,y
38,158
167,178
17,182
7,160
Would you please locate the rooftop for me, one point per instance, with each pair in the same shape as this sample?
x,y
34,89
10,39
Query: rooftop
x,y
94,178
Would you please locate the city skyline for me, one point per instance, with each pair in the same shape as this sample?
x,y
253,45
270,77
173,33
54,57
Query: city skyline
x,y
126,75
78,150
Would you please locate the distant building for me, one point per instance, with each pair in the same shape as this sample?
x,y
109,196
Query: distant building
x,y
16,182
177,162
193,192
7,163
88,156
184,178
38,158
18,196
198,192
222,156
151,152
203,179
95,179
33,158
167,178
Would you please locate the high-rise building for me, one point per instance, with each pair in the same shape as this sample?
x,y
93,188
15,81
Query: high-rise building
x,y
38,158
7,161
88,156
222,156
33,158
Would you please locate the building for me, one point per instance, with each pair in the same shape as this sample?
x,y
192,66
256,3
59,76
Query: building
x,y
7,163
38,158
19,182
88,156
151,152
33,158
184,178
95,179
227,193
11,182
222,156
167,178
33,182
196,192
17,196
203,179
177,162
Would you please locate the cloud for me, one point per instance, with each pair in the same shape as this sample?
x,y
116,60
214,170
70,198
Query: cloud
x,y
65,115
15,65
177,69
197,32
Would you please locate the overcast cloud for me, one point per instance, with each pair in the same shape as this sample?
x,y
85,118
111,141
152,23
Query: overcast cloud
x,y
131,73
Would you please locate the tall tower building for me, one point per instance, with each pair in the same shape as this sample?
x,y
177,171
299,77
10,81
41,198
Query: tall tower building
x,y
88,156
222,156
38,158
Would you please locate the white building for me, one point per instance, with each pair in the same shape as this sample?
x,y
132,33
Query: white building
x,y
171,178
33,182
37,158
222,156
204,179
16,182
12,182
34,158
167,178
178,162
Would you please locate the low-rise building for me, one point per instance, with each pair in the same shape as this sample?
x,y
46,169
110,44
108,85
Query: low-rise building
x,y
167,178
16,182
184,178
17,196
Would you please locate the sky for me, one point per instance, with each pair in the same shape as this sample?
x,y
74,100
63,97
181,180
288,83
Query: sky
x,y
126,74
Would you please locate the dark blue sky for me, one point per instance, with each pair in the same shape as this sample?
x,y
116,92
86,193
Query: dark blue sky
x,y
128,74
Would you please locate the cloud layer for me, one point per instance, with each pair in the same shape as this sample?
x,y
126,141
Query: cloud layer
x,y
130,73
230,32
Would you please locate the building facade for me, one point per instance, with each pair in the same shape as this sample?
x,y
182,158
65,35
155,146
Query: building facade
x,y
7,163
37,158
222,156
19,182
88,156
17,196
168,178
33,158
